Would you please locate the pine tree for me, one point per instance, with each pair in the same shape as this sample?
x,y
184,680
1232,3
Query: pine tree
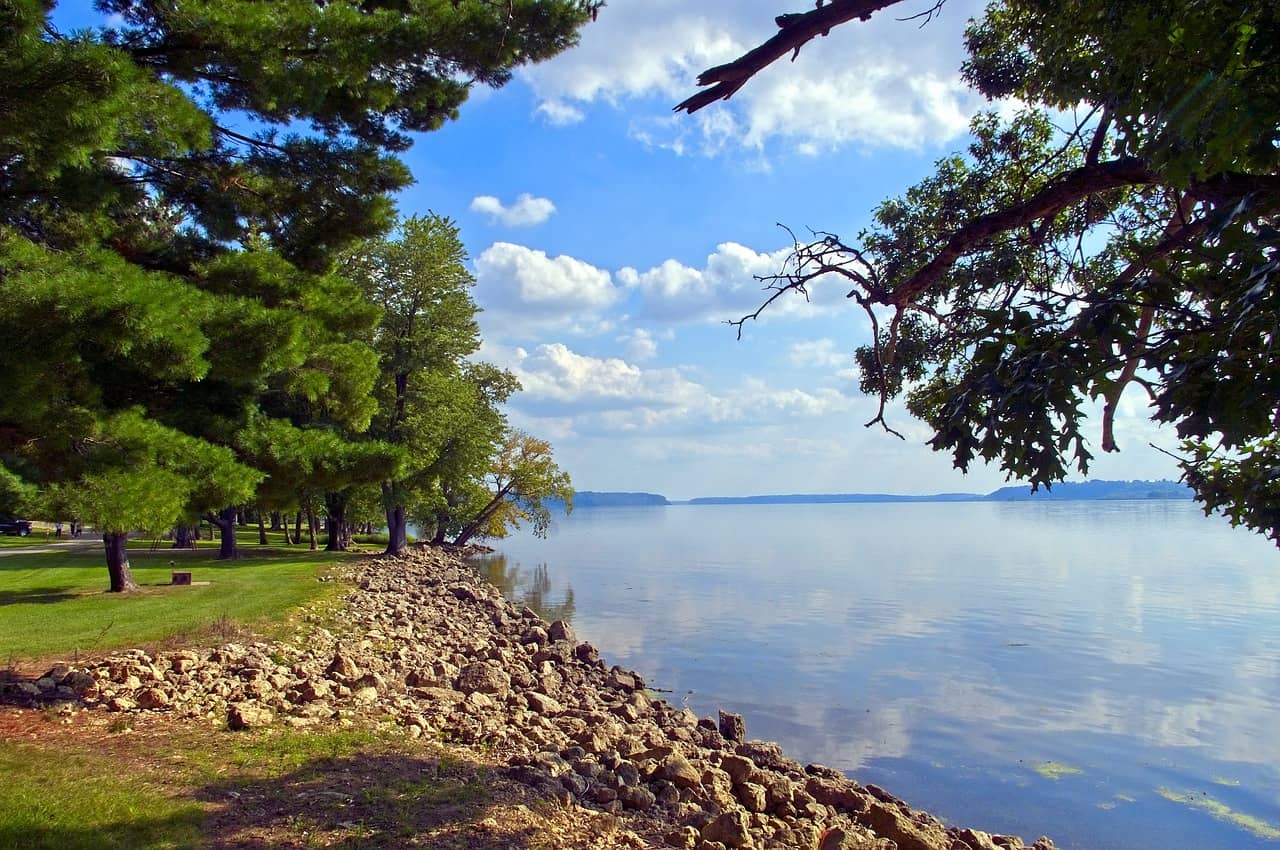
x,y
175,184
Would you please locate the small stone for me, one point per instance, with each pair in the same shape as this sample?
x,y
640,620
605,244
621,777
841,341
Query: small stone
x,y
121,704
543,704
365,696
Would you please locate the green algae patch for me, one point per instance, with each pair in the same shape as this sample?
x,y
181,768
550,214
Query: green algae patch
x,y
1223,812
1055,770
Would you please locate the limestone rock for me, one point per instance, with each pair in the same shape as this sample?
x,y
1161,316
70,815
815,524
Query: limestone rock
x,y
732,829
484,678
248,716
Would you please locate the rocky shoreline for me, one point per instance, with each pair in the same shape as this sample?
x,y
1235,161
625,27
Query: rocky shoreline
x,y
422,642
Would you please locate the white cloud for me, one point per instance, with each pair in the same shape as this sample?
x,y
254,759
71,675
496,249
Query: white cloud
x,y
822,353
525,212
608,394
554,373
525,284
640,344
881,83
727,287
559,113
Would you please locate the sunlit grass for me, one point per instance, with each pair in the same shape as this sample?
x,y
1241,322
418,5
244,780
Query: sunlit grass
x,y
55,603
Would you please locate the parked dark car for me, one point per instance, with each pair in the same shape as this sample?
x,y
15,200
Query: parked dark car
x,y
15,527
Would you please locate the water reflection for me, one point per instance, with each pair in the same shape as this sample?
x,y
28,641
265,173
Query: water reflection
x,y
531,588
945,650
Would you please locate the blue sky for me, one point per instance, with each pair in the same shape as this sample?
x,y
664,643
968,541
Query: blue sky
x,y
611,239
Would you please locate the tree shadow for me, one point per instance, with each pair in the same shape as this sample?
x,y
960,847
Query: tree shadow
x,y
179,829
36,595
366,801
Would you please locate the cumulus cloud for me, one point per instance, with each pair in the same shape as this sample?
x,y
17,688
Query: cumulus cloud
x,y
559,113
882,83
640,344
538,289
525,212
610,394
822,353
728,286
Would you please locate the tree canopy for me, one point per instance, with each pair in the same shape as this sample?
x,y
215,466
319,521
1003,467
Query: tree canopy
x,y
1119,231
177,182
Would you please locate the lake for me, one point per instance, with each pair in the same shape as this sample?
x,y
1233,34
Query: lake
x,y
1106,673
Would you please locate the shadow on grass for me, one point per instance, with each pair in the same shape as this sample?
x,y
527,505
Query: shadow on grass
x,y
35,595
365,801
180,829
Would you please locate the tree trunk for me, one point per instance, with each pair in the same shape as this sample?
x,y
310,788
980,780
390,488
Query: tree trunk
x,y
335,522
472,528
262,531
182,537
226,523
297,528
276,524
442,527
240,517
117,551
397,531
311,528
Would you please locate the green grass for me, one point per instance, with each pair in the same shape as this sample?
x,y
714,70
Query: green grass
x,y
78,801
35,538
330,788
55,604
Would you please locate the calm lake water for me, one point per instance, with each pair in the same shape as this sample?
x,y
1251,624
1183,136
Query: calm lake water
x,y
1106,673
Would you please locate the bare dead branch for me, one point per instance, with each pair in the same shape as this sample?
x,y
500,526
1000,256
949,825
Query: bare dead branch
x,y
794,32
928,14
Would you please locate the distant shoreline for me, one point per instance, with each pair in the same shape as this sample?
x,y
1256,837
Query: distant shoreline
x,y
1098,491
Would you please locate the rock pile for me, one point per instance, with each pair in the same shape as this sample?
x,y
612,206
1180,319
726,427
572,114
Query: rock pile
x,y
425,643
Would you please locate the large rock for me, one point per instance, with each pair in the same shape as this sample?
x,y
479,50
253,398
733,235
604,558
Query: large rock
x,y
838,793
733,727
153,698
677,770
248,716
543,704
560,630
484,678
732,829
888,821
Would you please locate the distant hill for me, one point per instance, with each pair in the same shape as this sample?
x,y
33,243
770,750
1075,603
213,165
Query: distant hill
x,y
592,499
1095,490
831,499
1069,491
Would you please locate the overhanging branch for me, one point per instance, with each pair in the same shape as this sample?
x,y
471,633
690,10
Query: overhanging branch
x,y
794,32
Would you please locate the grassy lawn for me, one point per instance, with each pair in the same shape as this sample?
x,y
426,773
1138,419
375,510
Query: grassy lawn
x,y
54,604
35,538
85,788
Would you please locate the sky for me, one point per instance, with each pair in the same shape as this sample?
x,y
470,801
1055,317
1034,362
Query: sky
x,y
611,239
